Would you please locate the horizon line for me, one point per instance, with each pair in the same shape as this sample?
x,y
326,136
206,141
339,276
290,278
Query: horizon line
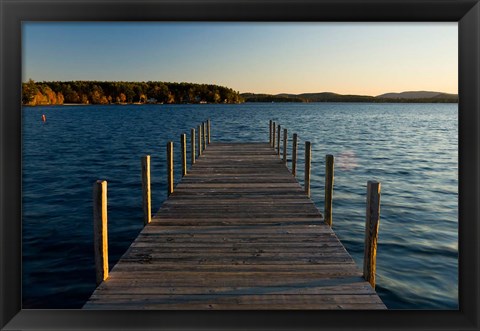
x,y
367,95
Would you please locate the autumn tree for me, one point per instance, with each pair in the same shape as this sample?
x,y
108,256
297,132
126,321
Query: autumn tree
x,y
107,92
29,90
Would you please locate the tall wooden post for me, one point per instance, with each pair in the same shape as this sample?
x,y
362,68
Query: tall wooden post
x,y
169,168
199,140
371,231
146,193
100,232
192,142
270,133
273,134
285,146
208,131
183,144
202,129
308,160
329,176
204,134
278,139
294,154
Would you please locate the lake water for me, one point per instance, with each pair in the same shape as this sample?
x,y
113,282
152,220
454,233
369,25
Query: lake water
x,y
412,149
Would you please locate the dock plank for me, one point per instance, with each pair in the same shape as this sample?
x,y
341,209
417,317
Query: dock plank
x,y
238,232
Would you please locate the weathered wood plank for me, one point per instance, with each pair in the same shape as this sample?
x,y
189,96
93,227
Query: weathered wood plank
x,y
132,267
223,306
169,300
331,277
352,289
242,299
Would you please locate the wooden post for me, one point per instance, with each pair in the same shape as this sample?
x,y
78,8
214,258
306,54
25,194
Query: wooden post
x,y
285,146
204,135
270,133
329,161
208,131
202,129
146,193
183,143
294,154
371,231
100,233
308,160
278,140
192,131
200,140
169,168
273,135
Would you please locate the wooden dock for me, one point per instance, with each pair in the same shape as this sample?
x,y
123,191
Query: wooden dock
x,y
238,232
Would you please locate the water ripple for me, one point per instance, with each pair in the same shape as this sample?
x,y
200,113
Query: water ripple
x,y
412,149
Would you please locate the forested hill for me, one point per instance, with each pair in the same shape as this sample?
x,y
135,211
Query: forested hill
x,y
95,92
415,96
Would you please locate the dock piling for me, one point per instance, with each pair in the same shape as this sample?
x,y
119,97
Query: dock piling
x,y
200,140
100,233
285,138
208,131
308,161
169,168
270,133
204,135
278,139
146,192
192,142
273,134
371,231
183,144
294,154
329,176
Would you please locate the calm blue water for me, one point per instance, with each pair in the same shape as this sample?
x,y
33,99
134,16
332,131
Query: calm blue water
x,y
412,149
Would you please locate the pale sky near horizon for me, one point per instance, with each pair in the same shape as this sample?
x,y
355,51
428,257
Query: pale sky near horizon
x,y
345,58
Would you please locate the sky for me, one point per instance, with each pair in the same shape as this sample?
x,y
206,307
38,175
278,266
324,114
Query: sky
x,y
345,58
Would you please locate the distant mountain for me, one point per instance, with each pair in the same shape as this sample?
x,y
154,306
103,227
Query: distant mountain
x,y
446,95
330,96
414,95
410,96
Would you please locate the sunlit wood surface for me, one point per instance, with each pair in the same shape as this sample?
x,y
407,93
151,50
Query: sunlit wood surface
x,y
238,232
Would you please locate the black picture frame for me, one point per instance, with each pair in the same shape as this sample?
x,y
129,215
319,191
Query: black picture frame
x,y
465,12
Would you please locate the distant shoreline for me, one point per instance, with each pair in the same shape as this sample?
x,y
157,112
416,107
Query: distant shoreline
x,y
247,102
402,97
358,101
74,93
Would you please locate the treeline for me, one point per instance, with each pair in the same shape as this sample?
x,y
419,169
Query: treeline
x,y
317,97
252,97
95,92
334,97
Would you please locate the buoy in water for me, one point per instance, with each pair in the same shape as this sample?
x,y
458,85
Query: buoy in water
x,y
44,118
